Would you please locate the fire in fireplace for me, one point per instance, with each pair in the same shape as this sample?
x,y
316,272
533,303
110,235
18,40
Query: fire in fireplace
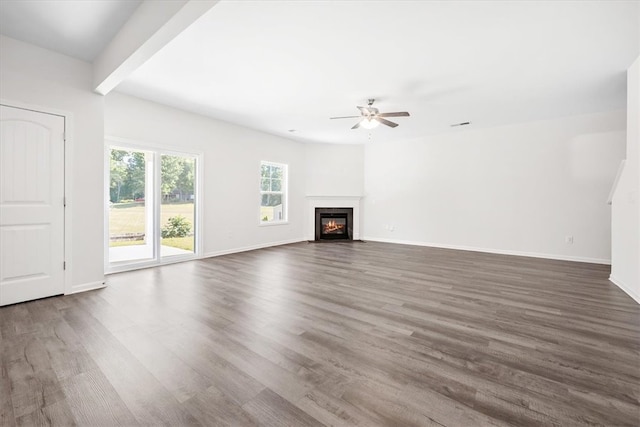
x,y
334,223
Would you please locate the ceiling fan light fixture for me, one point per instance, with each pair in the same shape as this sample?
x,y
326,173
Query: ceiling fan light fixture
x,y
369,123
371,118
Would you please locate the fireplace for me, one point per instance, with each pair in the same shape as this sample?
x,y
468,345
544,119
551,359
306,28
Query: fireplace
x,y
351,204
334,224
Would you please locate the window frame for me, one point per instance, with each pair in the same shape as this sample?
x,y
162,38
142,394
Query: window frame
x,y
284,193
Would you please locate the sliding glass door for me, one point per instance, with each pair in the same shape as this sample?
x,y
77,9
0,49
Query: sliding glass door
x,y
151,208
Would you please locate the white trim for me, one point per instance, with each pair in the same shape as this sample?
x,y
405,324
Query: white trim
x,y
87,287
153,199
251,248
68,209
334,197
625,288
69,130
199,208
493,251
139,265
272,223
314,202
106,200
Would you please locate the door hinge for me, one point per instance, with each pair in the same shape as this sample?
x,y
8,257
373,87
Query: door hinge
x,y
64,265
64,201
64,136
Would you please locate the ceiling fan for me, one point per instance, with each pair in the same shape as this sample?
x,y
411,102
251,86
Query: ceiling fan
x,y
370,117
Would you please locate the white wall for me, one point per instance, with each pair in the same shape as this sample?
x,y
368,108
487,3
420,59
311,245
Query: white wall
x,y
232,156
50,81
334,170
515,189
518,189
625,221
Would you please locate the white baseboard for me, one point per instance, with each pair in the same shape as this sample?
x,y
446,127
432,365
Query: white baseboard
x,y
627,289
492,251
86,287
251,248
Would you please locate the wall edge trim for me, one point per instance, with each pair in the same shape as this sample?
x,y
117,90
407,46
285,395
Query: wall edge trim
x,y
625,288
250,248
83,287
493,251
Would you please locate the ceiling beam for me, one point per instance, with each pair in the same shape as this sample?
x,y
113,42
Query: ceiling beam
x,y
150,28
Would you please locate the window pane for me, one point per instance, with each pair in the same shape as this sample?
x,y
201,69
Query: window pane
x,y
271,209
130,213
276,185
271,199
264,186
276,172
265,171
177,210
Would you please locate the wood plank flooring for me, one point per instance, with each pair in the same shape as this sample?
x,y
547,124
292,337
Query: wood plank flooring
x,y
341,333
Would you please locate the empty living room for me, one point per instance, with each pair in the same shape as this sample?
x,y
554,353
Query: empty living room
x,y
320,213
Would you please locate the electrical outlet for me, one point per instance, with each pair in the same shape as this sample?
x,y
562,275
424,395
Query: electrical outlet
x,y
568,240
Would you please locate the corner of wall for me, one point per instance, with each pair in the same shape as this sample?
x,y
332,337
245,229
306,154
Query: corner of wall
x,y
625,210
626,288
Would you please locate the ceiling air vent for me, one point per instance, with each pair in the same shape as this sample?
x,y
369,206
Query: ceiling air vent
x,y
460,124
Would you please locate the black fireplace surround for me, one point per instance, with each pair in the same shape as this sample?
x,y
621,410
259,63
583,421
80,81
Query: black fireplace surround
x,y
334,224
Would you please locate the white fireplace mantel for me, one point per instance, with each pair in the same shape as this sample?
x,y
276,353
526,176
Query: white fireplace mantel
x,y
314,202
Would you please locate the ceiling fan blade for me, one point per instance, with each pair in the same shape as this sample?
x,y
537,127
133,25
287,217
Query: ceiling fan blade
x,y
345,117
364,110
357,125
386,122
398,114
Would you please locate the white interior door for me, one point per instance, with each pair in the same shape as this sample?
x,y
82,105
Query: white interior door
x,y
31,205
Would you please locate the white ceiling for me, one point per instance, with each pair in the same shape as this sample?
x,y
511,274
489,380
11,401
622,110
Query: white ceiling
x,y
280,65
77,28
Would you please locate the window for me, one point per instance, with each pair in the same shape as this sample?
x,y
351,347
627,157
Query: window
x,y
273,192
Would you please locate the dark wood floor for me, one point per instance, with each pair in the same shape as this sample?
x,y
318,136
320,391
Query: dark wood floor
x,y
337,334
